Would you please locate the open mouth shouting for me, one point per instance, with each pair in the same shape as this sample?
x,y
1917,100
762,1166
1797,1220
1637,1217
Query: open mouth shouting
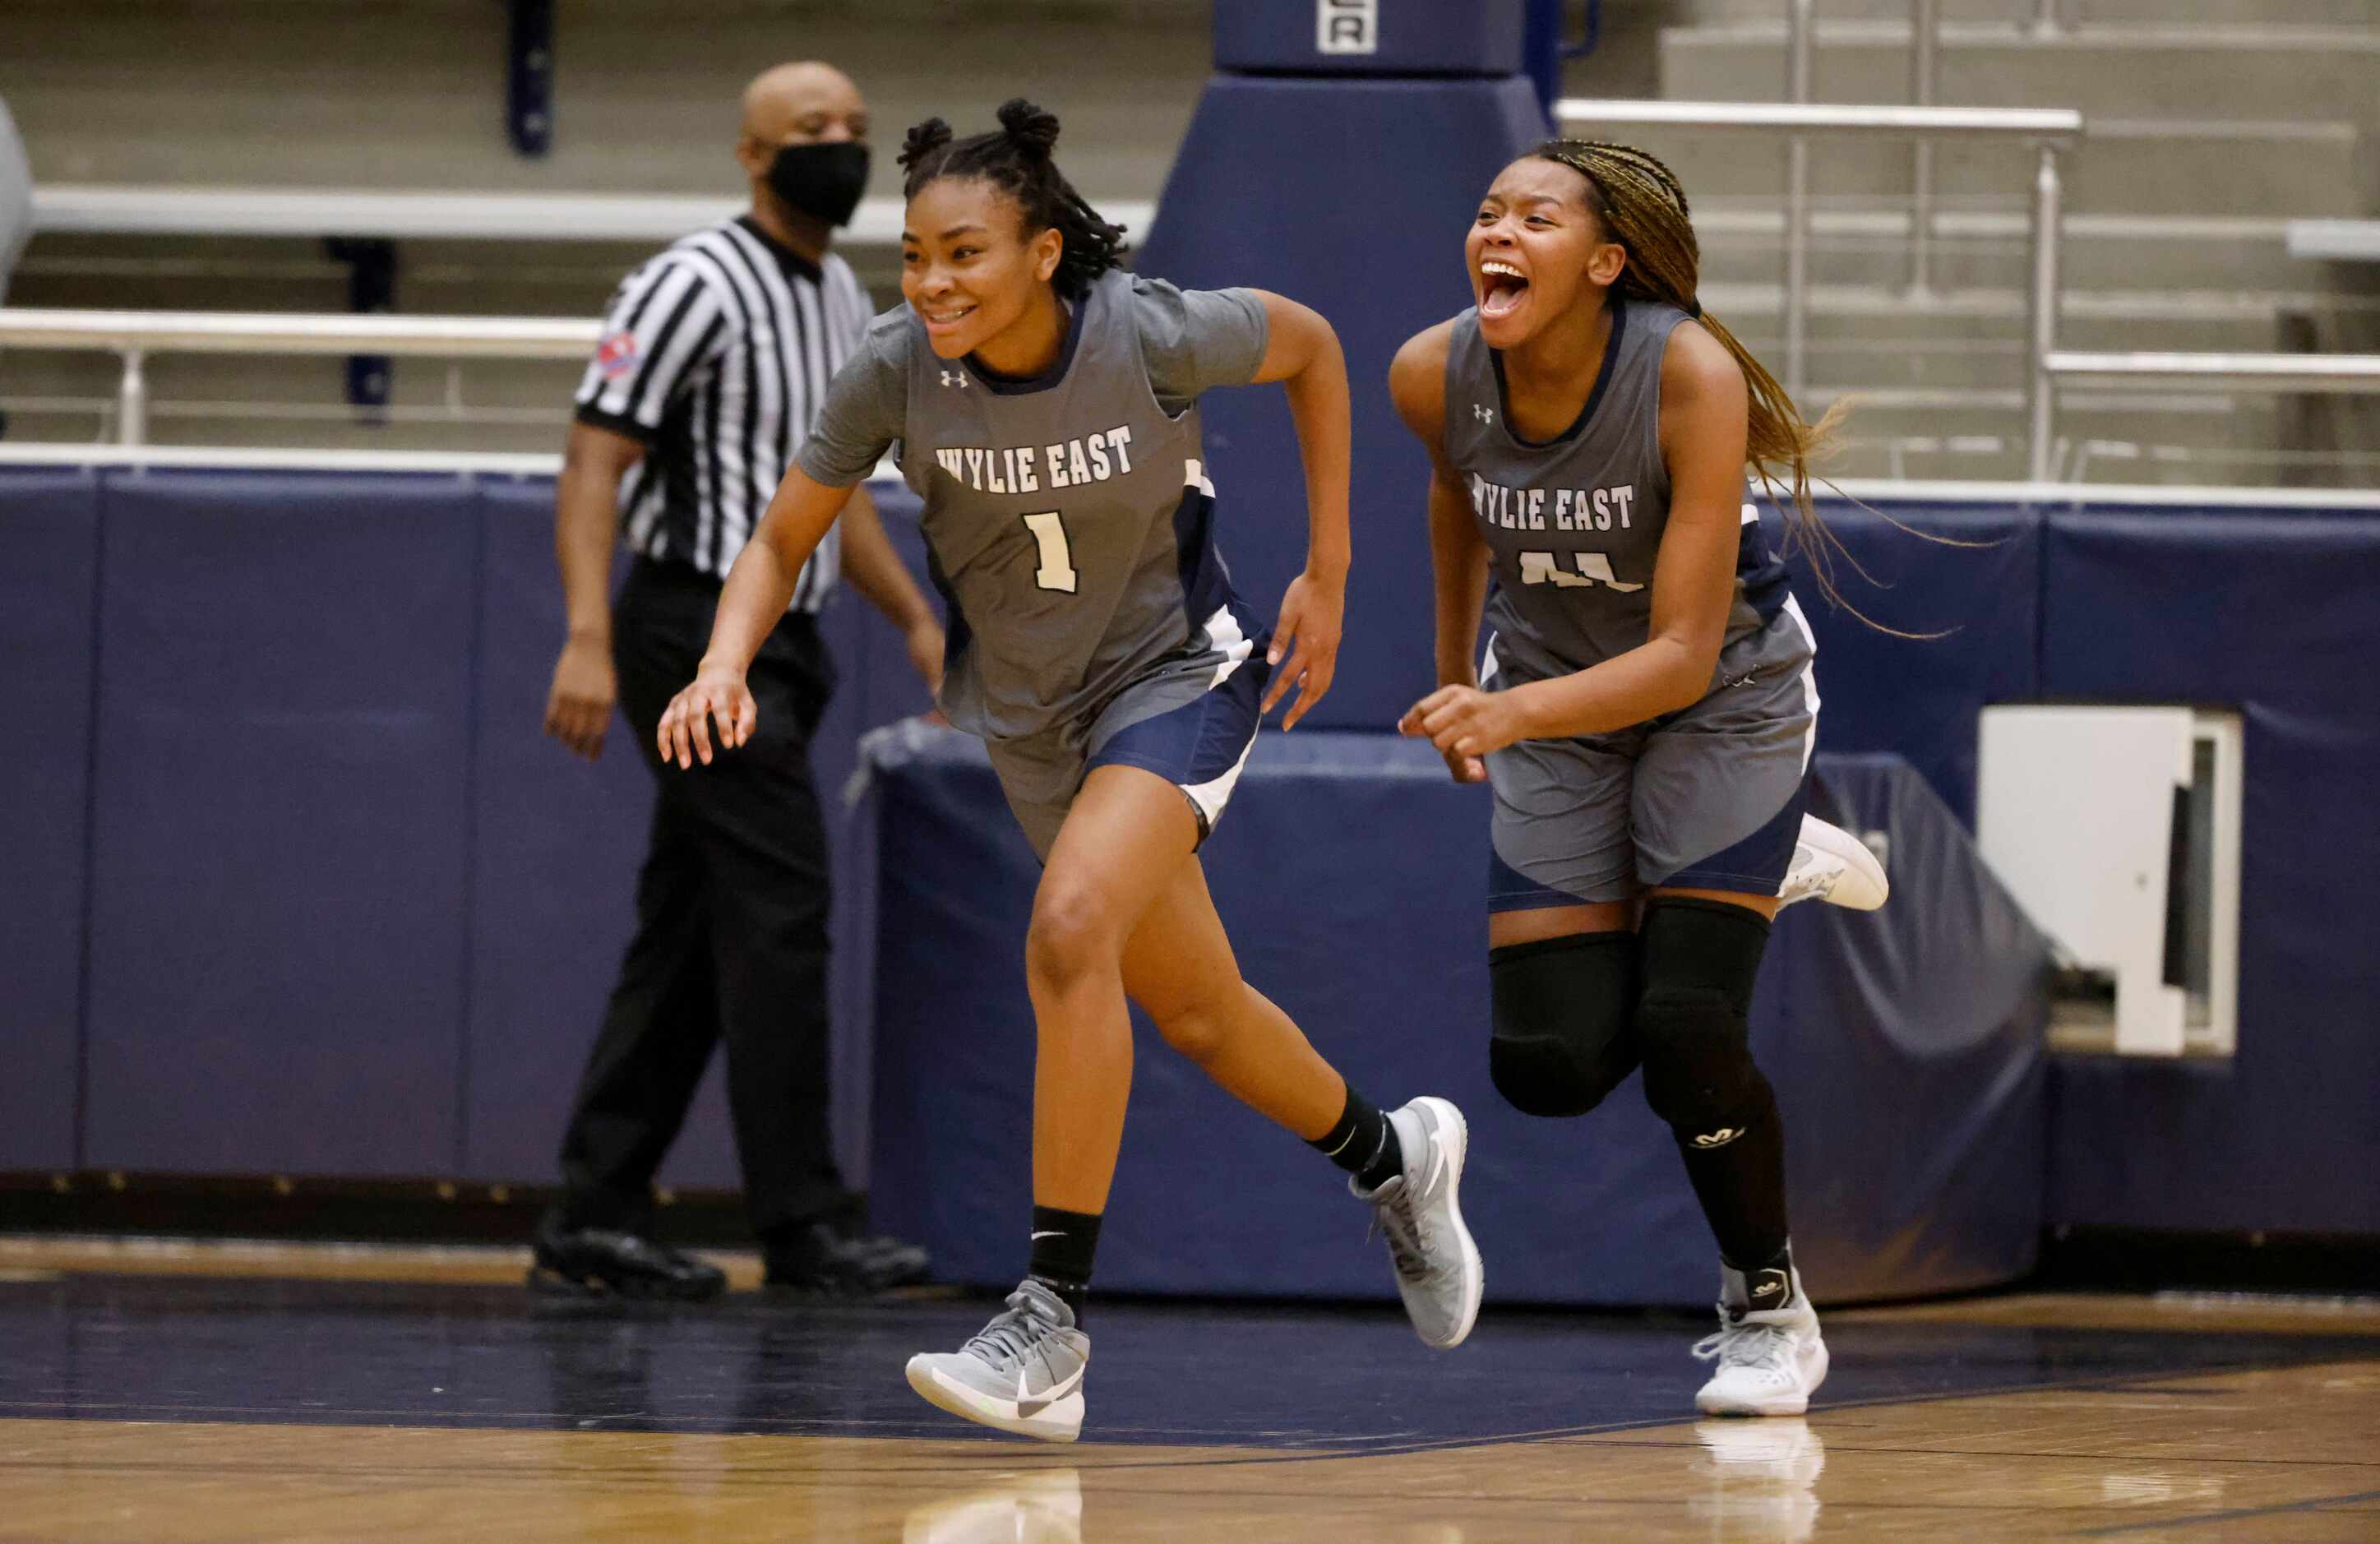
x,y
1502,287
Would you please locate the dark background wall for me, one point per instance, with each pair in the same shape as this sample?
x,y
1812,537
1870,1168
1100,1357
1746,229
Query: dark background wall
x,y
296,885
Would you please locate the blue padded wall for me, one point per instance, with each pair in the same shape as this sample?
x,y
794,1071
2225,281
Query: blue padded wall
x,y
555,848
1918,696
49,530
1239,208
349,912
2273,614
1351,874
279,869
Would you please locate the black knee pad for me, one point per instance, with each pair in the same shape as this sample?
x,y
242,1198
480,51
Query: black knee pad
x,y
1561,1007
1692,1024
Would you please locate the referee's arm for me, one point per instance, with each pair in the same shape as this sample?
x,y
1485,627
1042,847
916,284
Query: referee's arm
x,y
585,525
877,572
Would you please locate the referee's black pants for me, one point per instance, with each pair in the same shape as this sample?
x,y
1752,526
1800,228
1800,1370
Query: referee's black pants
x,y
731,939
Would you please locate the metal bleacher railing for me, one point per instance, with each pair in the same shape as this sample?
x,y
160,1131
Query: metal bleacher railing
x,y
2049,130
135,336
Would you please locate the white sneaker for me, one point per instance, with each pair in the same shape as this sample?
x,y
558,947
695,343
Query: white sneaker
x,y
1770,1361
1833,866
1439,1273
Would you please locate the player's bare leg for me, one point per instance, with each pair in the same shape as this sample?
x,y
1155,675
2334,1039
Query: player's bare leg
x,y
1179,965
1128,836
1407,1164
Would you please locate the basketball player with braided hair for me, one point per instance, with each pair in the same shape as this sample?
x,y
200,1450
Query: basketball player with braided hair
x,y
1645,710
1045,403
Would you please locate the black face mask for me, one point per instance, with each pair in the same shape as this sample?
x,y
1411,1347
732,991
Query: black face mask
x,y
823,181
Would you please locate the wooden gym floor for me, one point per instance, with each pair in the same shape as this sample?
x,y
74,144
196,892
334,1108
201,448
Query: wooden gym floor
x,y
206,1392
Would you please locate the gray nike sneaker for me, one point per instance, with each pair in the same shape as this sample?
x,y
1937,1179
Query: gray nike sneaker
x,y
1022,1373
1439,1273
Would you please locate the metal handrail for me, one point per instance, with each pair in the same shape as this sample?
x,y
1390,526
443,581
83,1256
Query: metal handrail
x,y
2341,374
135,336
513,337
2048,129
1878,120
405,214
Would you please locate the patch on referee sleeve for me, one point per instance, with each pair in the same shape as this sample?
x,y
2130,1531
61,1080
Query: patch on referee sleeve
x,y
616,355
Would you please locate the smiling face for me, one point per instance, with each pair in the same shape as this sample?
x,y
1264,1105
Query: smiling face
x,y
967,267
1536,251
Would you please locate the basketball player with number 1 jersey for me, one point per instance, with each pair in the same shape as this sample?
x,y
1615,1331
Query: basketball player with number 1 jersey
x,y
1045,405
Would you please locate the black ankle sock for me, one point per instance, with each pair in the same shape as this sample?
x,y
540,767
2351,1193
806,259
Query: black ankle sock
x,y
1768,1284
1064,1242
1363,1143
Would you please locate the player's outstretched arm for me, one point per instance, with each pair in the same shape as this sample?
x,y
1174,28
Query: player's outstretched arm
x,y
1458,559
758,589
1303,352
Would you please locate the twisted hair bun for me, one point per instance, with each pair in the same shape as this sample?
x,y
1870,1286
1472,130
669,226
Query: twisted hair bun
x,y
924,140
1015,159
1033,130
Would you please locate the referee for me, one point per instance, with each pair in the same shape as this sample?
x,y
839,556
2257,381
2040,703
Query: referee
x,y
715,358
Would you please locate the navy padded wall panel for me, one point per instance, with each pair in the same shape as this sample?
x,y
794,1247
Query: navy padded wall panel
x,y
1908,1056
554,857
1918,697
2272,614
49,530
1239,209
279,872
876,686
1351,873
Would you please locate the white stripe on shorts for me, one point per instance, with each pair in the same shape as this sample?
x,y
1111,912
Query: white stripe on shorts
x,y
1225,636
1809,677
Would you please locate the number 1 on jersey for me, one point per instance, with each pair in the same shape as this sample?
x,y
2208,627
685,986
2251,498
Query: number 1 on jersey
x,y
1057,570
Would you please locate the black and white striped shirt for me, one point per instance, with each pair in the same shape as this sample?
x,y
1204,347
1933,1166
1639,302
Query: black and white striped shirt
x,y
716,355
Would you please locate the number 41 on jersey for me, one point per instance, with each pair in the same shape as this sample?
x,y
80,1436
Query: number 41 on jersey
x,y
1594,568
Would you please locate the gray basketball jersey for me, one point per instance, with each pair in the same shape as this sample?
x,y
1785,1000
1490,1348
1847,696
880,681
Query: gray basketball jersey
x,y
1068,520
1573,525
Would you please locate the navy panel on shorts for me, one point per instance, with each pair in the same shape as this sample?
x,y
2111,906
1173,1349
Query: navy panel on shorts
x,y
1754,866
1201,745
1511,889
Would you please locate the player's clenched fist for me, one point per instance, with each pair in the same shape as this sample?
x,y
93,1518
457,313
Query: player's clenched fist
x,y
1465,723
718,697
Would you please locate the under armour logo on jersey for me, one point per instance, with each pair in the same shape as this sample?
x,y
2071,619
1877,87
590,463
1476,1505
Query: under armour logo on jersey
x,y
1484,413
954,378
1720,1137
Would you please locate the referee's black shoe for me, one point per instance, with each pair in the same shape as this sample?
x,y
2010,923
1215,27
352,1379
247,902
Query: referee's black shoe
x,y
607,1260
820,1258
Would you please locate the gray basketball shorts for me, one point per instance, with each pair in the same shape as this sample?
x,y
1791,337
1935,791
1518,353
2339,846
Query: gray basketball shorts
x,y
1191,719
1708,798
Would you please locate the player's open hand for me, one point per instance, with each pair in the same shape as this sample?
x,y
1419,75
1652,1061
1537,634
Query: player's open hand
x,y
1465,724
1304,650
718,697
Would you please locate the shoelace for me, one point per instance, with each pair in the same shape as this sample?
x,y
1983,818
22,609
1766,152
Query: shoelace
x,y
1009,1335
1817,877
1408,1232
1759,1347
